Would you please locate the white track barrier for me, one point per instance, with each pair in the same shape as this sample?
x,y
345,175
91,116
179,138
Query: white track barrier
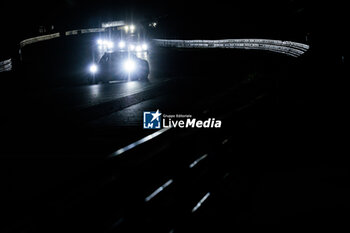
x,y
6,65
56,35
290,48
38,39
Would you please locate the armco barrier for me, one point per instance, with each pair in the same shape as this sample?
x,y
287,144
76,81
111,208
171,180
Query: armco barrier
x,y
84,31
285,47
55,35
290,48
92,30
70,33
6,65
38,39
259,41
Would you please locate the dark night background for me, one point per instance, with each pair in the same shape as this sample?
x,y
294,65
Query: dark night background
x,y
281,156
292,19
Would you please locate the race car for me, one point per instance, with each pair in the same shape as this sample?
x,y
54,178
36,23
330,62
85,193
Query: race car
x,y
120,65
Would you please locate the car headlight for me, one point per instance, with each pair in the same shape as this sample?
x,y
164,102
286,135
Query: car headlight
x,y
131,47
138,48
129,66
93,68
110,44
144,47
121,44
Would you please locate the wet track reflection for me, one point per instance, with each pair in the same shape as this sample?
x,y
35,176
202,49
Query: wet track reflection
x,y
90,95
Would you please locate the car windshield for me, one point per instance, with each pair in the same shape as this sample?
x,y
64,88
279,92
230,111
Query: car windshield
x,y
117,56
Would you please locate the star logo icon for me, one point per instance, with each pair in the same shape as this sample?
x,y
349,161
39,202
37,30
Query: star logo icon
x,y
156,115
152,120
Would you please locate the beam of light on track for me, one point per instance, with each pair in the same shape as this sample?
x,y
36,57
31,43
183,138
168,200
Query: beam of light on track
x,y
198,160
132,85
95,90
200,202
158,190
137,143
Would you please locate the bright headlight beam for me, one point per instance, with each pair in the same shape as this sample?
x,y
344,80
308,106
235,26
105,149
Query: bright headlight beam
x,y
131,47
129,65
93,68
144,46
138,48
121,44
110,44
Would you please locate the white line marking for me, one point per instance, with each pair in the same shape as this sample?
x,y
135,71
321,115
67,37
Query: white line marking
x,y
158,190
198,160
224,141
137,143
201,202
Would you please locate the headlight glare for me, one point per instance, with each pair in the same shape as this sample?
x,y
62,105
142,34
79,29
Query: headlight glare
x,y
138,48
110,44
131,47
129,66
121,44
93,68
144,46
